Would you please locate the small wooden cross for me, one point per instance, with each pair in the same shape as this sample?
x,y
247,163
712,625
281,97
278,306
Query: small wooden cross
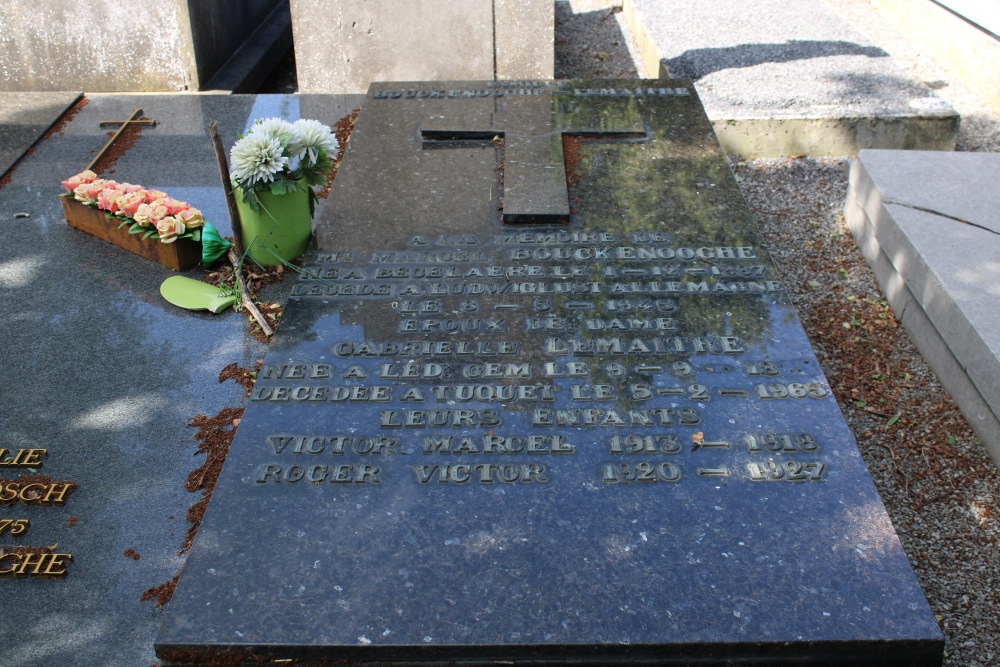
x,y
534,170
132,120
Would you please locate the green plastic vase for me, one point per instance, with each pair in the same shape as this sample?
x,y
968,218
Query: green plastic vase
x,y
280,230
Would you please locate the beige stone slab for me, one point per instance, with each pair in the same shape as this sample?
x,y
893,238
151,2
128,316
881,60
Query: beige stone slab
x,y
525,39
360,41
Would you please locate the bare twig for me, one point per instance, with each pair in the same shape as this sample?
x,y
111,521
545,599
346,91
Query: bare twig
x,y
234,213
236,252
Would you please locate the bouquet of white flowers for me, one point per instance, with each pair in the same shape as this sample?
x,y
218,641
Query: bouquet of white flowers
x,y
281,157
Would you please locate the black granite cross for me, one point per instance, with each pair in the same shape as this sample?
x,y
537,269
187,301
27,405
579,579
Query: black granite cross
x,y
534,169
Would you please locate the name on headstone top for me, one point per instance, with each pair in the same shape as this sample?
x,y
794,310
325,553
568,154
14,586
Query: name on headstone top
x,y
603,440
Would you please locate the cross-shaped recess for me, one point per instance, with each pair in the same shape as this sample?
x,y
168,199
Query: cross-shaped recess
x,y
534,169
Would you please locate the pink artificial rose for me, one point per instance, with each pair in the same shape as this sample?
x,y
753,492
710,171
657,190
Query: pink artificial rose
x,y
108,200
153,195
89,192
80,193
191,218
147,214
130,202
82,178
169,228
129,187
173,206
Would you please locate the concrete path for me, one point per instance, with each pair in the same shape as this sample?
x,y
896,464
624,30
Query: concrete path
x,y
789,78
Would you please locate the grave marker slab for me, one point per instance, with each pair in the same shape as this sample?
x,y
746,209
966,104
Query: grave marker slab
x,y
604,441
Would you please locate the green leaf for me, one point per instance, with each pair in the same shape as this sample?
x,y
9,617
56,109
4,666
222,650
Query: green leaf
x,y
136,229
148,234
250,198
893,420
124,222
213,246
859,404
952,440
195,236
814,284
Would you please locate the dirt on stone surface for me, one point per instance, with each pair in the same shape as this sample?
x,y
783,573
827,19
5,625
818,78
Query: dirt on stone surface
x,y
214,436
105,165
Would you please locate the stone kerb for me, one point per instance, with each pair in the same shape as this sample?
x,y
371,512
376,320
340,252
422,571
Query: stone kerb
x,y
926,223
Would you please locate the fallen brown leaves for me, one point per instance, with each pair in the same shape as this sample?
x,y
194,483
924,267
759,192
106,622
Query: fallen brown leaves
x,y
342,129
257,278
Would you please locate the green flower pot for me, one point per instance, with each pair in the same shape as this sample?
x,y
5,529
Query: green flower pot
x,y
280,230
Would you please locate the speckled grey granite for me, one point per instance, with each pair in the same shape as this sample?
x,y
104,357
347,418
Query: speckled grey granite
x,y
928,223
789,78
24,118
436,463
99,370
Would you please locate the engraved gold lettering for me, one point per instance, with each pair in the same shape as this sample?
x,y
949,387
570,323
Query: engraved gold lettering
x,y
592,392
14,526
35,493
497,370
22,458
317,474
498,444
569,369
34,564
595,417
484,473
439,418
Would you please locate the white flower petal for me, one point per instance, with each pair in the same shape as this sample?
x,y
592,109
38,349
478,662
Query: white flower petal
x,y
256,158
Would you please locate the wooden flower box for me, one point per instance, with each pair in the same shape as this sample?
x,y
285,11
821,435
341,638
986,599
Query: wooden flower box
x,y
181,255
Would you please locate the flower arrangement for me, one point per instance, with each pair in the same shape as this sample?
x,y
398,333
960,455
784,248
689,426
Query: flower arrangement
x,y
280,157
148,212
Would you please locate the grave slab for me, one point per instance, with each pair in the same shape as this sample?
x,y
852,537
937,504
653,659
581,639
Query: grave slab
x,y
24,118
789,78
101,372
606,441
927,223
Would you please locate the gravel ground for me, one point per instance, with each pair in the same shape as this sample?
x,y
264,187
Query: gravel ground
x,y
939,486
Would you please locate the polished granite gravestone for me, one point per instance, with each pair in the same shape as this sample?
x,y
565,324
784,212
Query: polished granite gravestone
x,y
494,429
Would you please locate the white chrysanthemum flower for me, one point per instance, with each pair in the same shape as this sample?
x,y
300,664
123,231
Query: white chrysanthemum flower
x,y
275,128
256,158
312,136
